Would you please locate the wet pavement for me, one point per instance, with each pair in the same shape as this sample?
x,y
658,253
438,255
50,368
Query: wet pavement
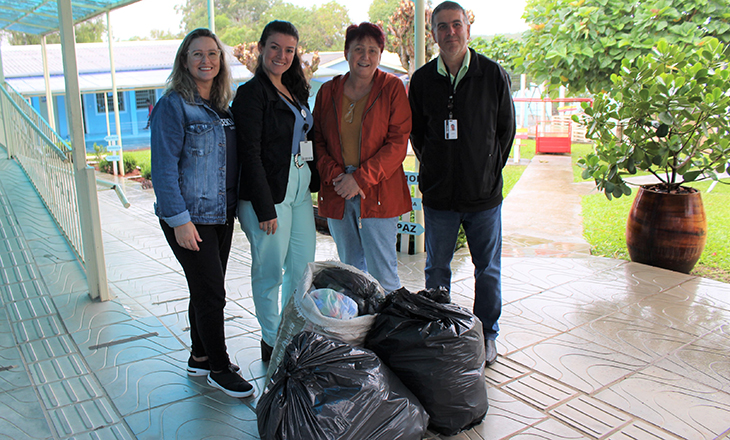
x,y
589,347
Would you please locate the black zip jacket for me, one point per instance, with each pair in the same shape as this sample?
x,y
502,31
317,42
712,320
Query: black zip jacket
x,y
264,130
465,174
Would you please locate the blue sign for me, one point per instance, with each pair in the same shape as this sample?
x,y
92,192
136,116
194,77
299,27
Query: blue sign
x,y
411,178
113,147
416,203
410,228
113,158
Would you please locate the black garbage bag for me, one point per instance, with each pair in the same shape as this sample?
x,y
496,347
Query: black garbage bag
x,y
328,389
437,350
440,294
367,293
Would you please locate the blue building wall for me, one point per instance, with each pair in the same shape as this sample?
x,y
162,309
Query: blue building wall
x,y
133,120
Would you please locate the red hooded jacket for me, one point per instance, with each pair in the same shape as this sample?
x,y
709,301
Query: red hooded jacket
x,y
385,127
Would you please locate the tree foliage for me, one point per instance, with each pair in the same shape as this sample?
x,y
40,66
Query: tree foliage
x,y
501,49
241,21
320,27
401,34
580,43
381,10
89,31
671,110
239,12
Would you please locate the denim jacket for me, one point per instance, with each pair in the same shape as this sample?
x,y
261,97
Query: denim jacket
x,y
188,145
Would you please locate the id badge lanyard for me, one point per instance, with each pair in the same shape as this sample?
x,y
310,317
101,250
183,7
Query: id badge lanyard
x,y
451,125
306,149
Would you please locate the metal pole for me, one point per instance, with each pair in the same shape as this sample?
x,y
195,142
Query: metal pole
x,y
420,51
115,99
211,16
3,113
84,175
47,78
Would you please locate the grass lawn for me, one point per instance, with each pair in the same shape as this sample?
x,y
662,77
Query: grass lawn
x,y
604,225
511,173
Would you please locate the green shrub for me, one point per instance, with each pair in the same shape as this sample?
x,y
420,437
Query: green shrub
x,y
107,167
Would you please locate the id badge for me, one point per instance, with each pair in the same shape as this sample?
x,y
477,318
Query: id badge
x,y
451,129
306,150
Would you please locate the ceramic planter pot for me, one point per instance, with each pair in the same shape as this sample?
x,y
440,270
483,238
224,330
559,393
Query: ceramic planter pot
x,y
666,230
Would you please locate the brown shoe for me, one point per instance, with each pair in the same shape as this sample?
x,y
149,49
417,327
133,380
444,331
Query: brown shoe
x,y
491,346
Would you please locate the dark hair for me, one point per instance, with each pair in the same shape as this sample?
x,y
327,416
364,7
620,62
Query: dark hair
x,y
448,5
183,83
293,78
365,29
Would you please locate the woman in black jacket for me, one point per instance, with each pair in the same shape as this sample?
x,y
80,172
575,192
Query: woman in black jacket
x,y
277,176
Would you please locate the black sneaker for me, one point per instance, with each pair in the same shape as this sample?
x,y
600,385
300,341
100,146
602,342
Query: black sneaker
x,y
202,368
231,383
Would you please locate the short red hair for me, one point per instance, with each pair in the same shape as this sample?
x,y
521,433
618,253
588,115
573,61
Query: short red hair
x,y
365,29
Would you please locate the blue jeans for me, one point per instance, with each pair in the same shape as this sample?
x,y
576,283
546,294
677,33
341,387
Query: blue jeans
x,y
367,244
279,260
484,235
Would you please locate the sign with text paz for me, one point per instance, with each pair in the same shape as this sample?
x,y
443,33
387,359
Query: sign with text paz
x,y
411,178
410,228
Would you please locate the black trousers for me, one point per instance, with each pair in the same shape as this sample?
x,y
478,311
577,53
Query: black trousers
x,y
205,271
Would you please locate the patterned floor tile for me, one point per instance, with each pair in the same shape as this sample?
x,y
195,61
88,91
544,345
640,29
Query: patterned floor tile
x,y
22,291
539,391
150,382
21,416
57,369
590,416
124,342
686,408
636,333
87,416
196,418
70,391
685,312
576,363
549,429
80,312
639,430
64,277
13,373
506,415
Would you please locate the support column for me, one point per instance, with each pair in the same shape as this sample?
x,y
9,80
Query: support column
x,y
84,175
47,80
420,51
3,113
115,98
211,16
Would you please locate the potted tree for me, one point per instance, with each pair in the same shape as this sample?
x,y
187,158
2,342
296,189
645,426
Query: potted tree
x,y
667,115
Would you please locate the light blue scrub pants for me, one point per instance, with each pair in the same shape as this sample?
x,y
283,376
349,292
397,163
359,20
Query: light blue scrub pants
x,y
280,259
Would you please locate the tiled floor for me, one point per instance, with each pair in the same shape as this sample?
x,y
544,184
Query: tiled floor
x,y
589,347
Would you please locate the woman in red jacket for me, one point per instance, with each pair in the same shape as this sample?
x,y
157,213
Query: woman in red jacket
x,y
362,121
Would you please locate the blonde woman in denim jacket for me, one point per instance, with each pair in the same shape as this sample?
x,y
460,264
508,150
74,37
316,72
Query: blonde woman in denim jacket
x,y
194,173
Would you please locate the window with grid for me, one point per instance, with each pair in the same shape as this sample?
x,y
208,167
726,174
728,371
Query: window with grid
x,y
109,101
142,96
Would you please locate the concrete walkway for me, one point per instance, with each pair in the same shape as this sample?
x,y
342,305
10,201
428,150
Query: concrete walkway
x,y
589,347
541,216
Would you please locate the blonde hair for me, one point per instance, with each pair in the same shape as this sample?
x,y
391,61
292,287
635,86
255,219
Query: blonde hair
x,y
183,83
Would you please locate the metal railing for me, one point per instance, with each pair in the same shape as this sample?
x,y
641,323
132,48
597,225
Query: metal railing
x,y
46,159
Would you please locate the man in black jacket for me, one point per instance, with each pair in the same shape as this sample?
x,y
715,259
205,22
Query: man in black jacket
x,y
463,128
